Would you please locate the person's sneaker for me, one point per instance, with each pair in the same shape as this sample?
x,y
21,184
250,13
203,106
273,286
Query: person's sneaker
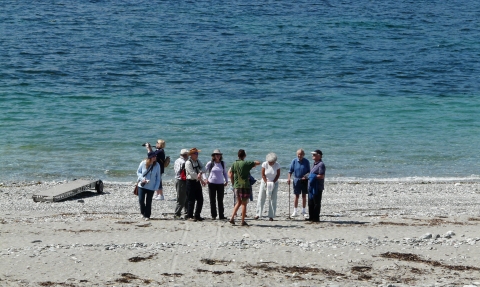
x,y
199,218
192,219
147,219
294,213
304,214
161,197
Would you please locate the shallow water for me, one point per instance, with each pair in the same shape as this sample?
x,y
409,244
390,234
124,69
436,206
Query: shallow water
x,y
386,90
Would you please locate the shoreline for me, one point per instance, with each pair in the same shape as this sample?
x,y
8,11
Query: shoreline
x,y
405,180
370,235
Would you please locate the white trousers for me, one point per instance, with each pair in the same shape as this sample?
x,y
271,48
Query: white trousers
x,y
270,197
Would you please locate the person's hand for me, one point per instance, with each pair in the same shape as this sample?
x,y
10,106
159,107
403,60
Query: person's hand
x,y
225,184
148,147
288,181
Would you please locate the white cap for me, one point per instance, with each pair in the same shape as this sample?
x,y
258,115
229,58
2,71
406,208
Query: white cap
x,y
184,151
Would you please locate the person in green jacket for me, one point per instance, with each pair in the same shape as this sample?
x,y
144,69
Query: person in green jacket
x,y
239,175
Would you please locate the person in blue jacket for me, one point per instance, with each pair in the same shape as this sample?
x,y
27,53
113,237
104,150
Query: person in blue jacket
x,y
149,178
316,181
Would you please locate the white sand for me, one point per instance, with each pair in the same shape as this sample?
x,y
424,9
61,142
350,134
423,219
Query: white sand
x,y
88,240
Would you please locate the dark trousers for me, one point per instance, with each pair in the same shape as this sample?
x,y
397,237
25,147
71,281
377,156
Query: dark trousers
x,y
314,206
216,193
194,193
145,200
181,187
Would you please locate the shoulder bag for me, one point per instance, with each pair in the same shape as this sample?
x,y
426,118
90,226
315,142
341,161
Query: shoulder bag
x,y
135,190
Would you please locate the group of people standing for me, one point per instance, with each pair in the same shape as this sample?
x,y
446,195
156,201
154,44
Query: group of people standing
x,y
191,175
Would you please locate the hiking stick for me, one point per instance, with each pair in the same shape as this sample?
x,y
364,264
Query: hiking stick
x,y
289,201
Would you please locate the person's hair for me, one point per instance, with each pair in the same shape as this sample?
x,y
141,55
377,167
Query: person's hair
x,y
161,142
241,153
148,162
271,157
301,151
213,157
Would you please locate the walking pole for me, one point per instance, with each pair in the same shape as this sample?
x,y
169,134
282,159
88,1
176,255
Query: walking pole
x,y
289,200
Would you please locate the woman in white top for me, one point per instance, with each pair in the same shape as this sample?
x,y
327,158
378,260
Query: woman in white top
x,y
269,186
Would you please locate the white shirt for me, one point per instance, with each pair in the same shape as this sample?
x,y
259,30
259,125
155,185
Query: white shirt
x,y
271,171
178,166
192,171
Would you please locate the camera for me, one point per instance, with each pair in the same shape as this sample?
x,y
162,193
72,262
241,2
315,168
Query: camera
x,y
142,184
145,144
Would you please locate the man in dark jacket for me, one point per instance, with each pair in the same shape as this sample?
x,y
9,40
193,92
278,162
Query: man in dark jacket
x,y
316,182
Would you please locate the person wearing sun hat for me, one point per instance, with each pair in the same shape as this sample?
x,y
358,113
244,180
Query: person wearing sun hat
x,y
217,180
316,181
195,173
180,184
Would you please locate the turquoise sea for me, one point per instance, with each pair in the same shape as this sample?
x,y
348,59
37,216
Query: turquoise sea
x,y
386,89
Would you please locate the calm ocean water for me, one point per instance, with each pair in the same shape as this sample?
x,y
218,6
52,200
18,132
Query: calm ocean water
x,y
386,89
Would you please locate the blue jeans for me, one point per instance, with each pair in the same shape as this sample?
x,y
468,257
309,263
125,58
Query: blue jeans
x,y
145,199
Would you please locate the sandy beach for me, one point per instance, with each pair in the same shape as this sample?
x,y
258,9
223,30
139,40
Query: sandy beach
x,y
371,234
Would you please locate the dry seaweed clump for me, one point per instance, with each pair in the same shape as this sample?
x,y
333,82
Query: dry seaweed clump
x,y
173,274
216,272
138,258
129,277
50,283
359,270
214,261
415,258
290,269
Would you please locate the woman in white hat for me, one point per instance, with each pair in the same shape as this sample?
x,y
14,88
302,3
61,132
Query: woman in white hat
x,y
217,180
269,186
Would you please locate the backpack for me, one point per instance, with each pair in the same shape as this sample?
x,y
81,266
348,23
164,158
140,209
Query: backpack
x,y
166,162
213,163
183,173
